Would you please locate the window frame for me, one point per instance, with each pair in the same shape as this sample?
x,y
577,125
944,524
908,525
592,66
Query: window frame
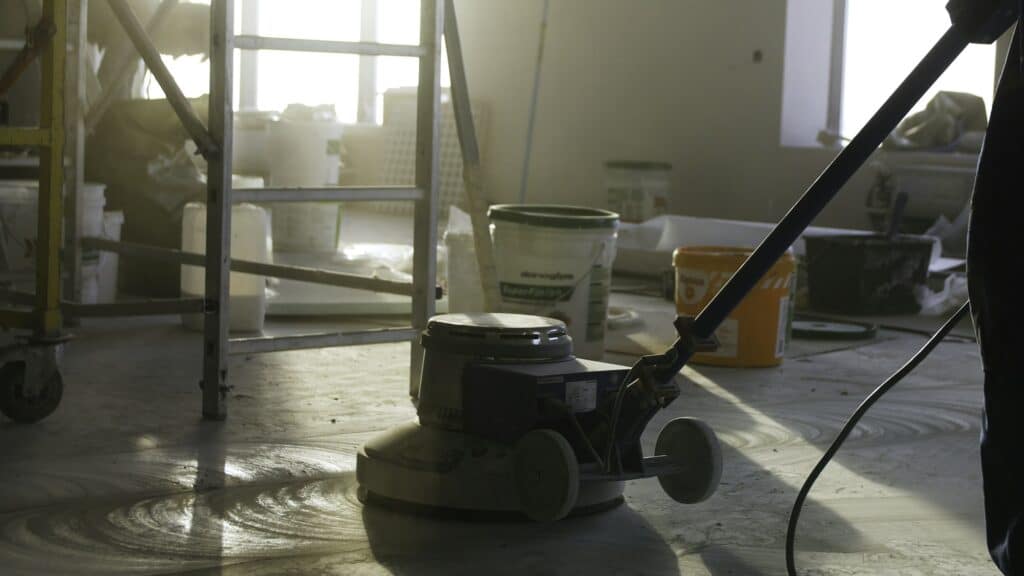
x,y
837,71
833,118
248,73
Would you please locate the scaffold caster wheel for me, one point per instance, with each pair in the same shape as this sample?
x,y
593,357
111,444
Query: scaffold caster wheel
x,y
691,444
21,406
547,475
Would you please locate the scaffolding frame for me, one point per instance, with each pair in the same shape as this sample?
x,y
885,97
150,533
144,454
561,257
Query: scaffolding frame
x,y
42,316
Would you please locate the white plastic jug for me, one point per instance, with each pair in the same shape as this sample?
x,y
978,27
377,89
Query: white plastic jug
x,y
250,240
305,150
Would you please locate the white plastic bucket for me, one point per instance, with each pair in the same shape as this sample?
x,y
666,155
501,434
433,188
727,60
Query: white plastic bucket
x,y
250,240
465,294
252,134
19,205
304,152
556,261
18,213
109,261
99,270
306,226
93,201
638,191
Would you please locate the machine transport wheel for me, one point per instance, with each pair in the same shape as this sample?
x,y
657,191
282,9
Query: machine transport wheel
x,y
693,445
547,475
19,406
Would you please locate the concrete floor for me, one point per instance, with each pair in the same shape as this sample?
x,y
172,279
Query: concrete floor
x,y
125,478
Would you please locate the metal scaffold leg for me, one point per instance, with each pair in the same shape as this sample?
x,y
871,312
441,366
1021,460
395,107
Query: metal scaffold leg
x,y
51,175
218,214
31,384
428,117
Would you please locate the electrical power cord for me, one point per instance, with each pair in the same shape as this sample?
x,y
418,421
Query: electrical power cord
x,y
866,405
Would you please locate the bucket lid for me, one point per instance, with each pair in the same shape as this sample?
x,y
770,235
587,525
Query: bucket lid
x,y
554,216
727,253
638,165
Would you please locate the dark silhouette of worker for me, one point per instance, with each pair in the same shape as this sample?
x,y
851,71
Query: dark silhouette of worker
x,y
995,259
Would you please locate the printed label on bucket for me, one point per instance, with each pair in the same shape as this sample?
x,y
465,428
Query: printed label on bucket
x,y
695,285
557,273
534,293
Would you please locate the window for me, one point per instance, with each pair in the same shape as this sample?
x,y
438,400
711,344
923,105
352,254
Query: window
x,y
191,72
843,58
884,40
270,80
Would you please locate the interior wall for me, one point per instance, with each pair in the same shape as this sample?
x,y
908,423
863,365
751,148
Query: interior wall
x,y
669,80
23,97
807,71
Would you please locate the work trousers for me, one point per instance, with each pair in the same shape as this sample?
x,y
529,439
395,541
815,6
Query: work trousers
x,y
995,268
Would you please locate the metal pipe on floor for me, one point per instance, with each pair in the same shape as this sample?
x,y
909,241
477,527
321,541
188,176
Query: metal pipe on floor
x,y
262,345
298,273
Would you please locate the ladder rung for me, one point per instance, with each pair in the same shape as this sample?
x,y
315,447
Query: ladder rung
x,y
247,42
298,273
331,194
39,137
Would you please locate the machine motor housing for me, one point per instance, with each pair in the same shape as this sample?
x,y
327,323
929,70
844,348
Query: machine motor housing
x,y
502,402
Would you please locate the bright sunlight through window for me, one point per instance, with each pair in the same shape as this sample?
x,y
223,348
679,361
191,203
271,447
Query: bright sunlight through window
x,y
285,78
885,39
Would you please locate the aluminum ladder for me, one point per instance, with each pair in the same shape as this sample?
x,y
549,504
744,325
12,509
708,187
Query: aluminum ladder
x,y
214,142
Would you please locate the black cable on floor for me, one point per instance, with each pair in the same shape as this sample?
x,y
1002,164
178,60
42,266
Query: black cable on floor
x,y
794,516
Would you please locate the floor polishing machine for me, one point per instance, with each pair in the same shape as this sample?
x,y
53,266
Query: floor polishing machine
x,y
510,421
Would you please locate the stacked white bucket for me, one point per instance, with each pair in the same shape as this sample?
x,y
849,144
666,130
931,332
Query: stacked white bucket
x,y
298,148
19,205
305,150
637,191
